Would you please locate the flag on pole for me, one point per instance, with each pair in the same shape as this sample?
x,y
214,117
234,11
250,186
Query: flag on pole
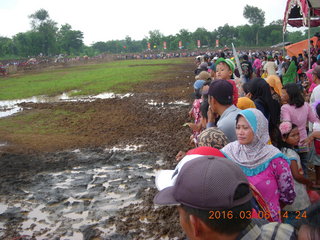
x,y
180,44
235,54
164,45
199,43
149,47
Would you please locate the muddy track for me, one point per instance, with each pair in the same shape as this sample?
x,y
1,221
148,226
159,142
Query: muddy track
x,y
156,127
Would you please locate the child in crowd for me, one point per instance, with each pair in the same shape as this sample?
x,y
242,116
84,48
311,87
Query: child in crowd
x,y
290,139
195,110
224,70
299,112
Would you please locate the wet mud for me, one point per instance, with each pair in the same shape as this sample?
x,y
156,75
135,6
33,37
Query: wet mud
x,y
97,181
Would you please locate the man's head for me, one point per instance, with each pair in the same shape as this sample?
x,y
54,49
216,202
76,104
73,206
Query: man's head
x,y
220,93
205,58
203,188
224,68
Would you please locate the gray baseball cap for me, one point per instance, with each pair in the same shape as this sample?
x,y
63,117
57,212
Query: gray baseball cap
x,y
206,182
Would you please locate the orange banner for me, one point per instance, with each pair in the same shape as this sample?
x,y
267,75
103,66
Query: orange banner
x,y
296,48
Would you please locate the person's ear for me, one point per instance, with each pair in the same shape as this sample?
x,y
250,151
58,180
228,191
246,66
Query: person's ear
x,y
195,225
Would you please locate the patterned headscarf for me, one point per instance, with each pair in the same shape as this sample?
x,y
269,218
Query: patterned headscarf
x,y
212,137
255,157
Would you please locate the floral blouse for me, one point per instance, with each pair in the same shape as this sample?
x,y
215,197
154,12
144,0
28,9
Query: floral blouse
x,y
276,185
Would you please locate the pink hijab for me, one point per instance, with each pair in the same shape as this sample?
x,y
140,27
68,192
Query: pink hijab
x,y
309,75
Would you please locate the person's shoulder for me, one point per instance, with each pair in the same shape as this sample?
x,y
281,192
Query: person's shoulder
x,y
233,109
275,230
290,153
285,106
280,160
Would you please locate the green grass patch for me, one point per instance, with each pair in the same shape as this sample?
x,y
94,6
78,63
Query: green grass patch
x,y
40,122
87,79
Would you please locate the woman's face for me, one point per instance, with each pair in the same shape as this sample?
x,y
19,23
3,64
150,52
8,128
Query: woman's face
x,y
244,132
284,96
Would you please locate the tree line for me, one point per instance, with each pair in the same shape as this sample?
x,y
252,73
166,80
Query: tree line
x,y
46,39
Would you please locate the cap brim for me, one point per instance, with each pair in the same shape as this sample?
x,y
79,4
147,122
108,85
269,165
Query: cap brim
x,y
165,197
164,179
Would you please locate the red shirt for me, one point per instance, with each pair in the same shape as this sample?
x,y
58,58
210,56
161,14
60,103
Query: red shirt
x,y
235,92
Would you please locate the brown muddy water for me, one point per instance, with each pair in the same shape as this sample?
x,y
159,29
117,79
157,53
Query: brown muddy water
x,y
76,202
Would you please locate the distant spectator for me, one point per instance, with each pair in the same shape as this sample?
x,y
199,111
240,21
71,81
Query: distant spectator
x,y
270,67
246,68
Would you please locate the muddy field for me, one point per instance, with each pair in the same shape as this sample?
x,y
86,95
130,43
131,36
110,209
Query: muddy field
x,y
97,182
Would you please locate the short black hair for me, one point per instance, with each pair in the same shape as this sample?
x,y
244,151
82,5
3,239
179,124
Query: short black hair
x,y
245,57
246,87
197,93
226,225
295,94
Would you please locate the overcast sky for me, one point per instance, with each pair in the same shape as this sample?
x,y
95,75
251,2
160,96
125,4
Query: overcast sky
x,y
103,20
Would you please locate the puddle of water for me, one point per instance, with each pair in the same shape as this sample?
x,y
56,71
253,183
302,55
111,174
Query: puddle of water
x,y
37,221
182,103
127,148
3,208
87,195
143,166
8,112
170,105
10,107
160,162
112,95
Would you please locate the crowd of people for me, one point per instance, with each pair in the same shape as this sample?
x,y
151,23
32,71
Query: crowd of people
x,y
253,168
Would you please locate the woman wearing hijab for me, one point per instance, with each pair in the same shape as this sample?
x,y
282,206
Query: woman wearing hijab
x,y
244,103
275,87
291,74
261,96
265,166
212,137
